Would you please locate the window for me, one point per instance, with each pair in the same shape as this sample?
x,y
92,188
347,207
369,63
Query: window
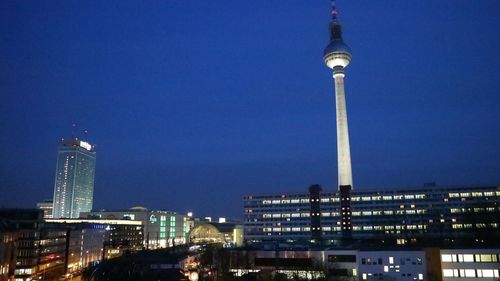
x,y
447,272
341,258
470,273
468,258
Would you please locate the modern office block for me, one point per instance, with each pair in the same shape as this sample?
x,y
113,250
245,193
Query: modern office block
x,y
74,181
396,216
161,228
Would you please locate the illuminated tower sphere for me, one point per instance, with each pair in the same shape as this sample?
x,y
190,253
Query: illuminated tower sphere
x,y
337,56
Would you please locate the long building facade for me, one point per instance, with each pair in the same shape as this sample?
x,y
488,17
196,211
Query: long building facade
x,y
161,228
399,216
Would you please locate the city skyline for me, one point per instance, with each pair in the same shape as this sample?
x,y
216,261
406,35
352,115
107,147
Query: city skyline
x,y
190,115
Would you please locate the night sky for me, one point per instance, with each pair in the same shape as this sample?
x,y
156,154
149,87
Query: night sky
x,y
193,104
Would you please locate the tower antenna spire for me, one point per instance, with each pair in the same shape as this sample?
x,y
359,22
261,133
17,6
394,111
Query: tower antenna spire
x,y
334,11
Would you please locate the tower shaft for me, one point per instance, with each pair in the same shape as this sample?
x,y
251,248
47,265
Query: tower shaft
x,y
343,147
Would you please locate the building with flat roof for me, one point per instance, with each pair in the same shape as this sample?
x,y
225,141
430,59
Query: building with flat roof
x,y
74,179
122,236
371,264
46,206
161,228
431,215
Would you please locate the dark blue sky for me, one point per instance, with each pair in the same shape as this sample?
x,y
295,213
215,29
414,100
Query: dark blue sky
x,y
193,104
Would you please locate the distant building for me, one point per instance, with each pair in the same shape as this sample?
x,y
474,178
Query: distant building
x,y
74,180
430,264
8,249
429,215
23,227
32,248
121,236
226,233
469,264
46,207
161,228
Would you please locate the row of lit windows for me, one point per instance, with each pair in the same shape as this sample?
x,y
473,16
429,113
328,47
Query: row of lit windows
x,y
470,258
365,276
469,225
473,194
285,201
389,212
356,213
475,210
389,227
471,273
355,228
354,198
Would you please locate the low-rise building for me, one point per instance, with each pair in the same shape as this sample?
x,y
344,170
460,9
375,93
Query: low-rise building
x,y
470,264
161,228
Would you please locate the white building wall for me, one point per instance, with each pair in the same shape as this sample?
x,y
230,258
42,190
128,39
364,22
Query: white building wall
x,y
391,265
470,264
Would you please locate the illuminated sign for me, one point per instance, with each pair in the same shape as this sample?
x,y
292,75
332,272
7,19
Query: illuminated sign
x,y
153,219
86,145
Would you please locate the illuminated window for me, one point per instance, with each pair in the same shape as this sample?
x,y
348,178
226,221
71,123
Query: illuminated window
x,y
447,272
470,273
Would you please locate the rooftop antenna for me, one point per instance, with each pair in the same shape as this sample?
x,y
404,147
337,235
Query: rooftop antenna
x,y
334,11
73,128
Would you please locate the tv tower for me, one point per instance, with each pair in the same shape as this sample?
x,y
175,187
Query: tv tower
x,y
337,56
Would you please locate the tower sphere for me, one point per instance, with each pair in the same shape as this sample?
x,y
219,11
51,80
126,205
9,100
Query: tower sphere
x,y
337,54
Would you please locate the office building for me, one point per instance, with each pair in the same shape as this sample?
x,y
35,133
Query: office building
x,y
161,228
46,206
23,228
74,180
435,214
430,264
8,250
122,236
